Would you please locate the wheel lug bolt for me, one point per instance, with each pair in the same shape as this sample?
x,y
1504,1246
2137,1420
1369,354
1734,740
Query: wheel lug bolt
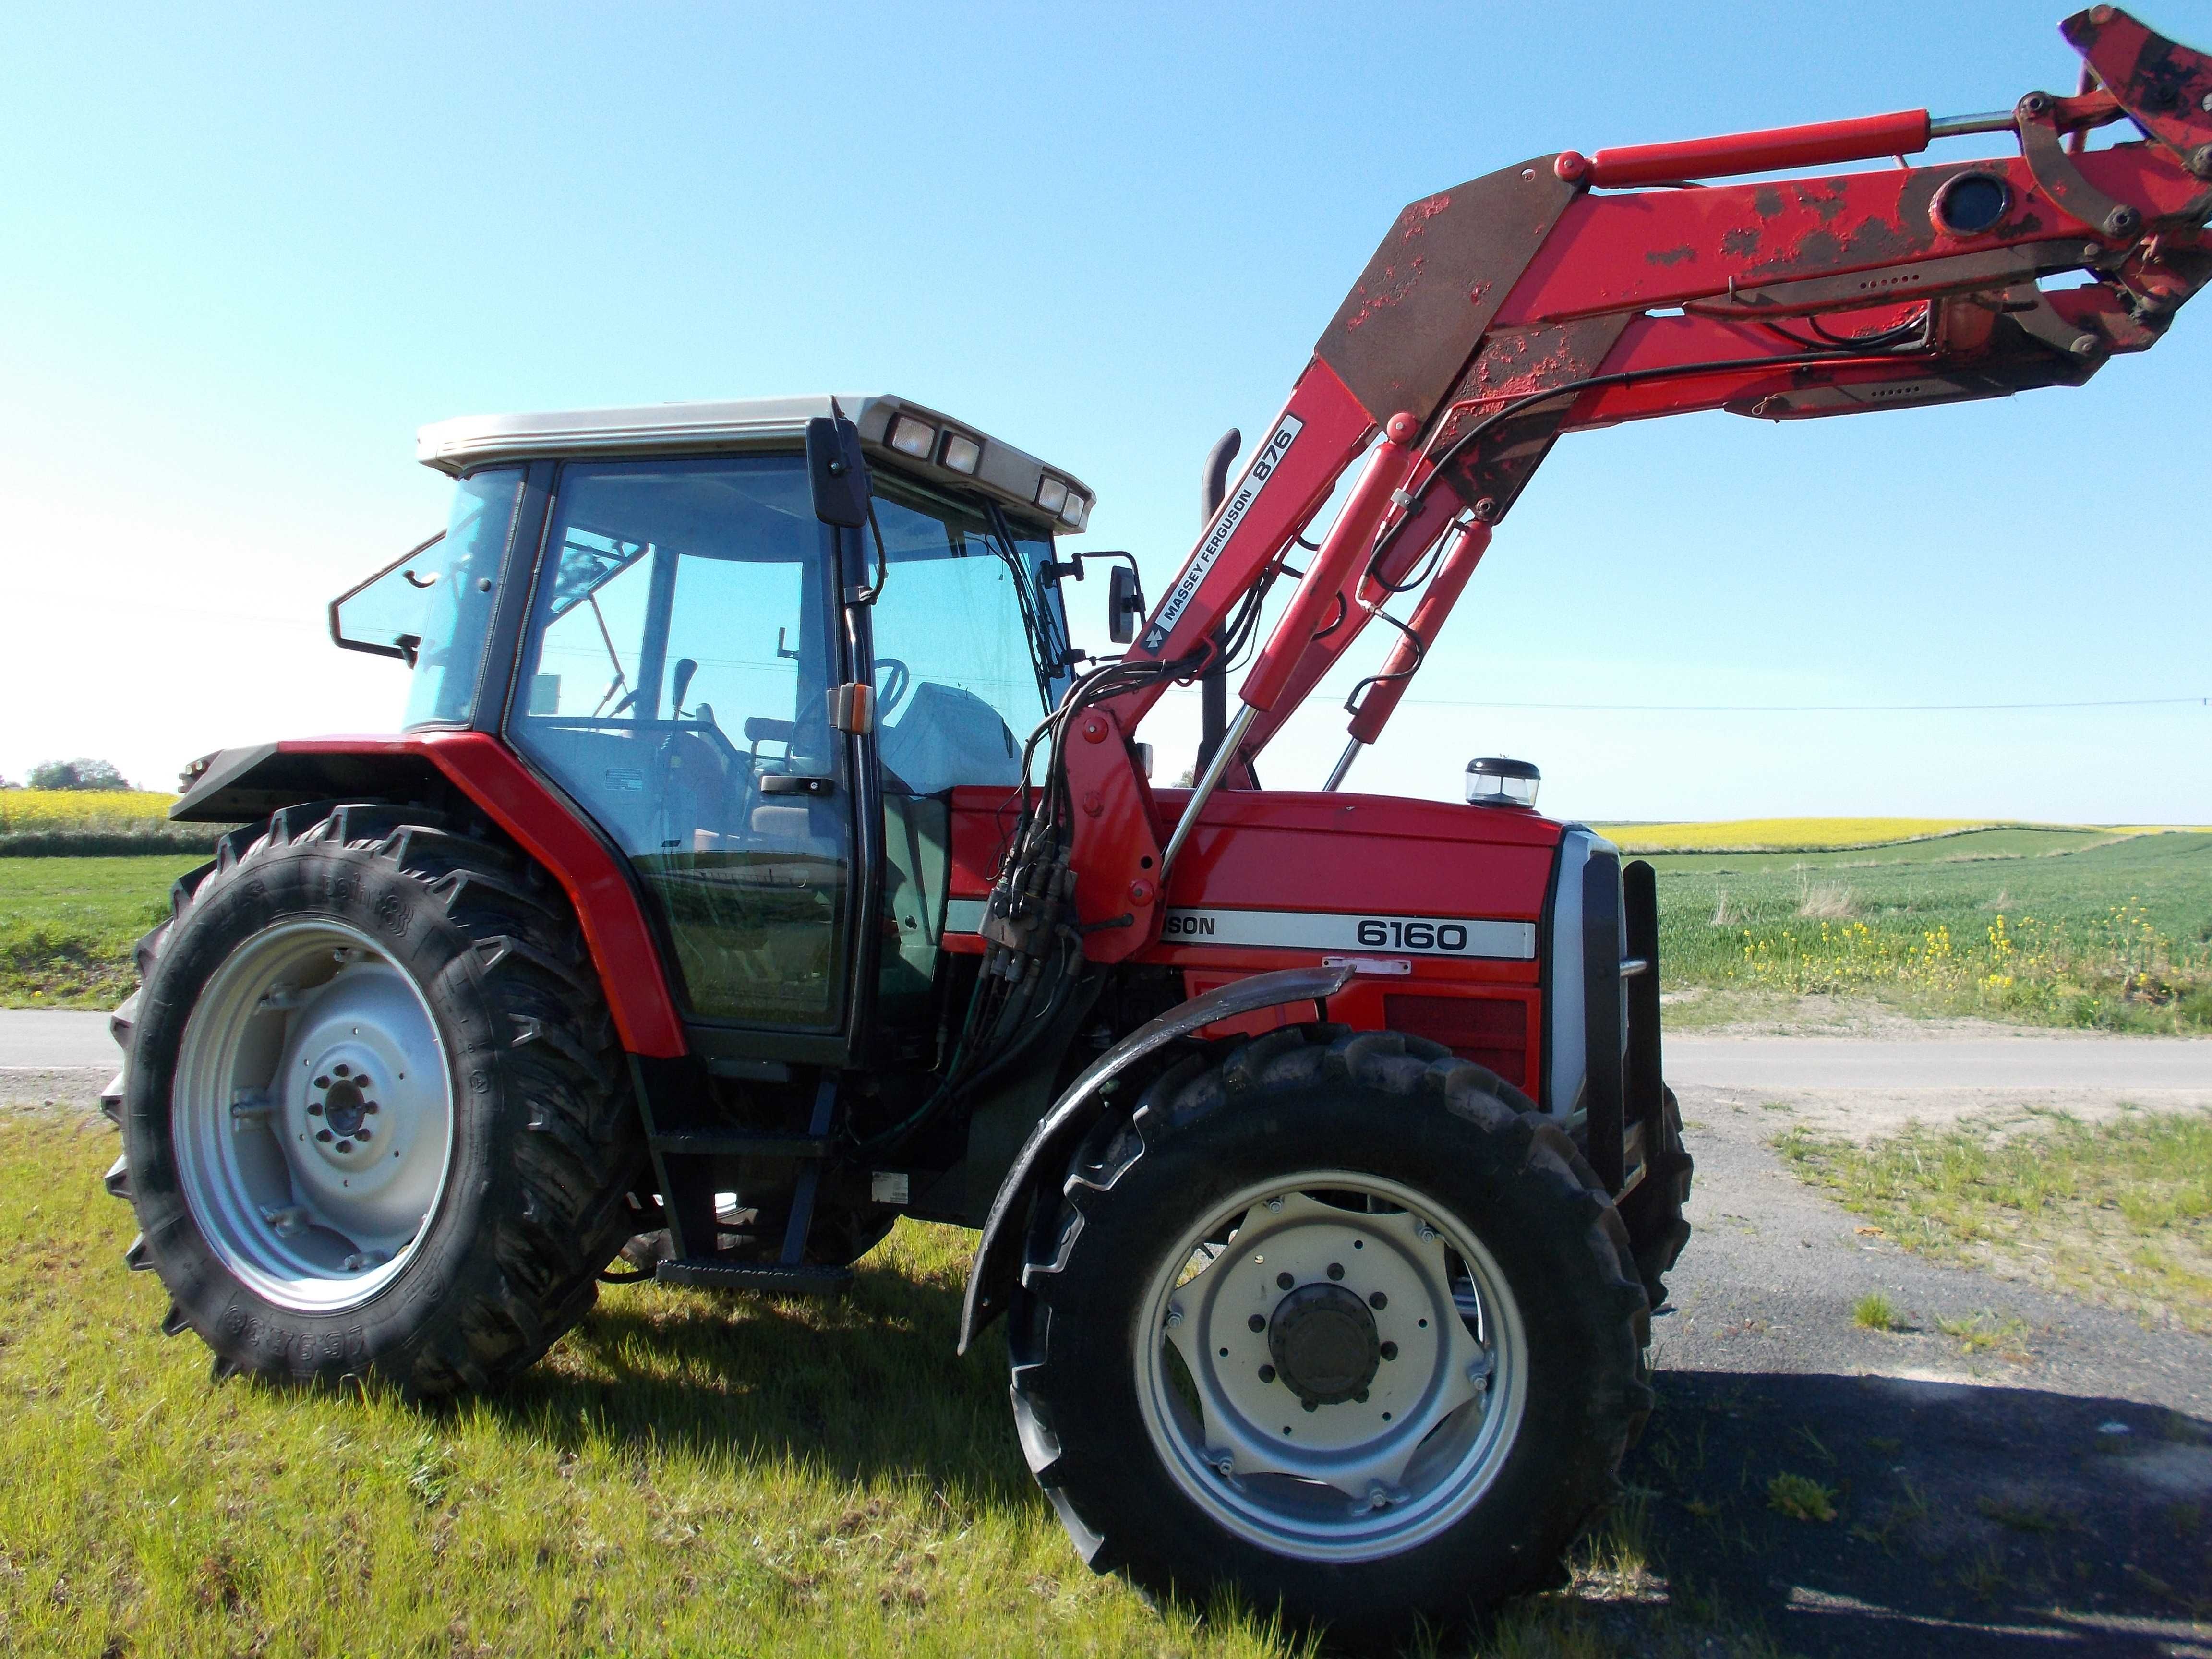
x,y
362,1133
1284,1281
372,1107
314,1108
345,1145
1378,1301
1256,1322
322,1082
1389,1350
1359,1398
322,1134
1312,1404
1336,1270
1266,1373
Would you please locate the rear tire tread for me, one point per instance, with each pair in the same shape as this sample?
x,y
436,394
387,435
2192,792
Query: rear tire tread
x,y
580,1143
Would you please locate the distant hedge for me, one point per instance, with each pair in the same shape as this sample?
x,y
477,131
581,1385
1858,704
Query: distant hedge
x,y
155,838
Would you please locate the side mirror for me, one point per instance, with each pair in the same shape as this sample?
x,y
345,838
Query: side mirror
x,y
1125,605
835,468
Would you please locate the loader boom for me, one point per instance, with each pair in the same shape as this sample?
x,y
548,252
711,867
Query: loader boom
x,y
1570,292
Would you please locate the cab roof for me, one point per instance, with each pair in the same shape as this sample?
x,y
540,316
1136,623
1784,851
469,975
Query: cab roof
x,y
925,441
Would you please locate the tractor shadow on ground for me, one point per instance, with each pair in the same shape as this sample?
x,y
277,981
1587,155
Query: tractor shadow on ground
x,y
865,1386
1966,1520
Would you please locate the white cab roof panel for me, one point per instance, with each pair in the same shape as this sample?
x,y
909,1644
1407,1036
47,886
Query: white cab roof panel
x,y
1013,475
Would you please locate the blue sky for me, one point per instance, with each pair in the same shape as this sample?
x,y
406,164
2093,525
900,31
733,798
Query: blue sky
x,y
248,251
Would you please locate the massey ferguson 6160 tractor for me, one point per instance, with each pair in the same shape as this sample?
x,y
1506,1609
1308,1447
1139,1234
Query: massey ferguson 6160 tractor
x,y
758,863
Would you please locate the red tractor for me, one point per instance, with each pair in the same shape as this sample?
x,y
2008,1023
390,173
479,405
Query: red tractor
x,y
758,863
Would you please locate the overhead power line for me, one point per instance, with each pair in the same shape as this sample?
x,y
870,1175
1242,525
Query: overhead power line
x,y
1801,708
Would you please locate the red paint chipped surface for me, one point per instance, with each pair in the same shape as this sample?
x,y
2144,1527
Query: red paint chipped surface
x,y
1382,299
1415,219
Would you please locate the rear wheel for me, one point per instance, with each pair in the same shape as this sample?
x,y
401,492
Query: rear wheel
x,y
1333,1324
374,1118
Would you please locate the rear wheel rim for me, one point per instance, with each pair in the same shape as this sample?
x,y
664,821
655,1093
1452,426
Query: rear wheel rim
x,y
312,1116
1396,1324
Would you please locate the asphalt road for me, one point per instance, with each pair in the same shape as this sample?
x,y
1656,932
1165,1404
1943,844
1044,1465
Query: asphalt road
x,y
2051,1494
52,1038
2062,1060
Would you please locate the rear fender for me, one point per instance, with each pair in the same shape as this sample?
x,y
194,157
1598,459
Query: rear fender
x,y
1045,1153
238,784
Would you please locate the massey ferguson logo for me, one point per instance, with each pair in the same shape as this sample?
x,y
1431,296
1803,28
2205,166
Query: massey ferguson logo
x,y
1224,526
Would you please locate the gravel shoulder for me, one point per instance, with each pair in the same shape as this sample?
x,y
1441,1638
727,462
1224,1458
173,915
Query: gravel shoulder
x,y
2051,1490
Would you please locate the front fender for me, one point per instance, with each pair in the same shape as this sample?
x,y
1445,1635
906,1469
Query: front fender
x,y
998,1256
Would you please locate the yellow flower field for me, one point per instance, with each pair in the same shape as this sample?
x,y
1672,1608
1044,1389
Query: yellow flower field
x,y
29,809
1783,835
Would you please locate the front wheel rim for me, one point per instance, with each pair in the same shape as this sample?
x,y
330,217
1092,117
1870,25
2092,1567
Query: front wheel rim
x,y
312,1116
1356,1411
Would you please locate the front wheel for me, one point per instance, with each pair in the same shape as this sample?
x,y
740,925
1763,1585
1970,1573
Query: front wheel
x,y
1333,1324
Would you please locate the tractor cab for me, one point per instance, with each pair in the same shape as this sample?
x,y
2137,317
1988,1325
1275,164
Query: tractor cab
x,y
763,713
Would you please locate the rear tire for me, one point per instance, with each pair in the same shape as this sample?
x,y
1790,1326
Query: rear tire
x,y
374,1120
1458,1496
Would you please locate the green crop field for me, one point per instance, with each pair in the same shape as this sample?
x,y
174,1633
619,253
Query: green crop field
x,y
2065,928
67,926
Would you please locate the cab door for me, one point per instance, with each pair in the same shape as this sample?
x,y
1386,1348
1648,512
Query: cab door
x,y
683,639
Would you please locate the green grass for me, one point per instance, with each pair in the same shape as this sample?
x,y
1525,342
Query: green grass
x,y
67,926
684,1474
2113,935
1876,1312
1801,1497
2120,1211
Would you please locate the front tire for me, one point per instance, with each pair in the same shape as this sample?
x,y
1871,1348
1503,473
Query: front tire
x,y
1652,1209
1418,1424
374,1120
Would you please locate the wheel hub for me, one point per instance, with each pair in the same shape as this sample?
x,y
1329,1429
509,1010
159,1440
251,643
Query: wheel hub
x,y
1330,1366
340,1097
1324,1344
314,1117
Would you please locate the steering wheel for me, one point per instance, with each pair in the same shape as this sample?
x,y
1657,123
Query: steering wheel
x,y
893,695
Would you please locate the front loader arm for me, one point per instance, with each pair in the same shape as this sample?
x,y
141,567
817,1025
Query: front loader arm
x,y
1572,292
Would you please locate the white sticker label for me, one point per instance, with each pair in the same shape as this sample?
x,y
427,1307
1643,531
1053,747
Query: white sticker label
x,y
890,1186
1313,930
1224,526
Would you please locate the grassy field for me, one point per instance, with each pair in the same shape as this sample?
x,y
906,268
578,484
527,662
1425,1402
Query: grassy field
x,y
67,926
684,1474
2042,926
2120,1212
